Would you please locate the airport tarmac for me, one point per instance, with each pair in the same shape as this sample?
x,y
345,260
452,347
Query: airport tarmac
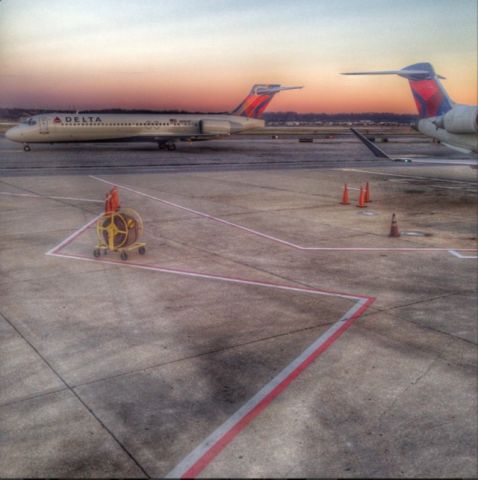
x,y
268,331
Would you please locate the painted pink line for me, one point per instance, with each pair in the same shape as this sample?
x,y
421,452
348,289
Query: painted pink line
x,y
72,237
208,276
201,214
31,195
278,240
386,249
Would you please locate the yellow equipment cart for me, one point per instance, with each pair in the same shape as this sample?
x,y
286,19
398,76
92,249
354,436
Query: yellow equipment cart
x,y
119,231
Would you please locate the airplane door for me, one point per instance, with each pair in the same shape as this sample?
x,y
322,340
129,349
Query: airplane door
x,y
44,125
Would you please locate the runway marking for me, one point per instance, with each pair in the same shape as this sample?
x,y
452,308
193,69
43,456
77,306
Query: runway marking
x,y
208,276
459,255
68,240
278,240
421,177
206,451
32,195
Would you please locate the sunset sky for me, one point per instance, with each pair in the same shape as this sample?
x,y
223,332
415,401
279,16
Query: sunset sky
x,y
203,55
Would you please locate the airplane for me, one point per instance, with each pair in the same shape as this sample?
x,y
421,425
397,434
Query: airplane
x,y
379,153
163,129
453,124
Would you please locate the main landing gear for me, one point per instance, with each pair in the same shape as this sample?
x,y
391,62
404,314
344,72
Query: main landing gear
x,y
26,147
166,146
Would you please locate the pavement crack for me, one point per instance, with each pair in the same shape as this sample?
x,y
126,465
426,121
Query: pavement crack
x,y
417,302
412,383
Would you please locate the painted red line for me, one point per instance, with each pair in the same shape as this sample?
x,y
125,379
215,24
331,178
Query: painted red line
x,y
216,448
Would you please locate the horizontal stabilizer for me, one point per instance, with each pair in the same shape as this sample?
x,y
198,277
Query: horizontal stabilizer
x,y
254,105
392,72
272,89
419,71
378,152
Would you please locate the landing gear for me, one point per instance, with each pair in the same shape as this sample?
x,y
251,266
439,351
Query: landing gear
x,y
26,147
166,146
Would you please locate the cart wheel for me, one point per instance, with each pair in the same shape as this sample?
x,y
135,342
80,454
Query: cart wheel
x,y
124,255
141,250
96,252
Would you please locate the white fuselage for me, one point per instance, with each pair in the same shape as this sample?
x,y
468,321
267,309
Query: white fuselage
x,y
95,127
461,141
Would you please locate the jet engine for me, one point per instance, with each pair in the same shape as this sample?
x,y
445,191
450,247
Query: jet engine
x,y
460,119
215,127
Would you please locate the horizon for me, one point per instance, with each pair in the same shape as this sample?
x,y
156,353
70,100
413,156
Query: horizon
x,y
84,55
171,111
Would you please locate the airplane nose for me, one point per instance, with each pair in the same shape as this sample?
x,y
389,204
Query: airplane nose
x,y
12,134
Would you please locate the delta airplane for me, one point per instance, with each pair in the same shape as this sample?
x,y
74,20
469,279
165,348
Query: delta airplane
x,y
454,125
129,127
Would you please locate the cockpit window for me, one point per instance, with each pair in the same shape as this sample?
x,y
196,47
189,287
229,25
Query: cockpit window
x,y
29,121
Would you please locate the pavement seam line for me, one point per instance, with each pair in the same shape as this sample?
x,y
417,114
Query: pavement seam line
x,y
33,397
76,395
424,327
63,202
198,355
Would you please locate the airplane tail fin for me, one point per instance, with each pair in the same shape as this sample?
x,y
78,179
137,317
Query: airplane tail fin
x,y
430,96
254,105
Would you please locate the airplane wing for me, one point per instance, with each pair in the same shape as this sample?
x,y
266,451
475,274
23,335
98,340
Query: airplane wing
x,y
379,153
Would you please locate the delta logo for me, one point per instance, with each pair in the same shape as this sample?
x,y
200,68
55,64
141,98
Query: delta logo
x,y
57,120
83,119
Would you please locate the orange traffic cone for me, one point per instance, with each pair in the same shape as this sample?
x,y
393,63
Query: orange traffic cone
x,y
394,232
345,196
361,202
108,203
367,193
114,199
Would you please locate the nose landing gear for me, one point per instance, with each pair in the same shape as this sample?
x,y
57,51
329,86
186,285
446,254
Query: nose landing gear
x,y
26,147
166,146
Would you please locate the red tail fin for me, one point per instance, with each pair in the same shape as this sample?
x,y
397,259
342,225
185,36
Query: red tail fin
x,y
254,105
